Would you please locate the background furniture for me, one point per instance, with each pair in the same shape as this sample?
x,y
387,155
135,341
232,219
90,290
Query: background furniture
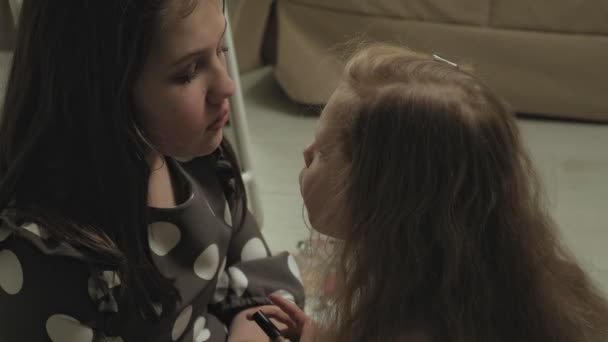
x,y
545,57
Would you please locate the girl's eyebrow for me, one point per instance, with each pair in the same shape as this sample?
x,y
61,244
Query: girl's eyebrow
x,y
189,56
199,52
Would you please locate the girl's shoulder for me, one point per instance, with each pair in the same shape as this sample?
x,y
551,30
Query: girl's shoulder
x,y
48,283
34,238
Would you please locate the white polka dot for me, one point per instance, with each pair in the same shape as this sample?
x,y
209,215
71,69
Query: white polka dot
x,y
223,281
62,328
206,264
11,272
227,214
286,295
238,281
4,233
36,230
181,323
293,267
163,237
254,249
111,278
199,332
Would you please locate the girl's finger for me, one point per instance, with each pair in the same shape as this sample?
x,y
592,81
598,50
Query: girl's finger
x,y
294,312
275,313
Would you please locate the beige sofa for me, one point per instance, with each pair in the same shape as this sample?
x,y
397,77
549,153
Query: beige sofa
x,y
7,30
545,57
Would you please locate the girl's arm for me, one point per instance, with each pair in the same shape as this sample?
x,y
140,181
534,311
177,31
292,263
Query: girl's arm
x,y
253,273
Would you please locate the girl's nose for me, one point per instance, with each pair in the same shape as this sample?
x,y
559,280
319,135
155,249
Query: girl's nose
x,y
308,155
222,86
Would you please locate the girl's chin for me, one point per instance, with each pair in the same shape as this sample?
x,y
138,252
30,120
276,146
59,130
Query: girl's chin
x,y
199,151
326,229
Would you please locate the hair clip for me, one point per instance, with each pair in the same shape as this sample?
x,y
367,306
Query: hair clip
x,y
440,59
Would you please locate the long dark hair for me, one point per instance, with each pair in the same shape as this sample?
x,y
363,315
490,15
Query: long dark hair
x,y
448,238
71,155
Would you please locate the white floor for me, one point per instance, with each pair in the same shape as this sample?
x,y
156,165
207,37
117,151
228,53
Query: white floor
x,y
572,159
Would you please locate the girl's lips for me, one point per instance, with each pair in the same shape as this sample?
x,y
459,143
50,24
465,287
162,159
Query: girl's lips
x,y
219,122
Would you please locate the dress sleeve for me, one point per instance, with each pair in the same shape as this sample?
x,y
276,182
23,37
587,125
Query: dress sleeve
x,y
45,296
251,273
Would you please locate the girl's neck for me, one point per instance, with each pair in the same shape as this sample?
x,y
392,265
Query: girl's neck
x,y
160,187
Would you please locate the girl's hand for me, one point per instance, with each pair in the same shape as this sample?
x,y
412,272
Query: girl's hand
x,y
300,328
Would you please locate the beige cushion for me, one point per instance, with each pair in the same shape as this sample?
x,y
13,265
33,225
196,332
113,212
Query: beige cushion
x,y
7,30
560,16
249,25
473,12
537,72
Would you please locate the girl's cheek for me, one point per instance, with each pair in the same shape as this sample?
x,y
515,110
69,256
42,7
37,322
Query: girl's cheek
x,y
308,189
187,103
188,114
300,176
304,184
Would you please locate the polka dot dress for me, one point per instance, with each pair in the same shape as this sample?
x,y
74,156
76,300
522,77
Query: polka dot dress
x,y
49,291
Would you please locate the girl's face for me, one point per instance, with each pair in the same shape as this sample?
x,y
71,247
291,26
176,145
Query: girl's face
x,y
182,93
320,177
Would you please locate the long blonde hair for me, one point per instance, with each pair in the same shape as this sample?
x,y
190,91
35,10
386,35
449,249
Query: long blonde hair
x,y
448,234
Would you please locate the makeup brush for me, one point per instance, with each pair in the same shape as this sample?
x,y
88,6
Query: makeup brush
x,y
268,327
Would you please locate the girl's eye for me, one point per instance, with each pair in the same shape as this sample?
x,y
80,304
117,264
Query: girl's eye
x,y
186,78
189,75
223,49
194,68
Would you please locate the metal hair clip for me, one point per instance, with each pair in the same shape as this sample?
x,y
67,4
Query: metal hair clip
x,y
440,59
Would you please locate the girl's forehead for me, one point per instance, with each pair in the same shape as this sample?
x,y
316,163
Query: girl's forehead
x,y
182,12
179,9
338,107
199,29
330,122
